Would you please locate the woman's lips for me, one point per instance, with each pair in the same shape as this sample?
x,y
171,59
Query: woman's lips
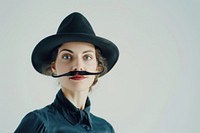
x,y
77,77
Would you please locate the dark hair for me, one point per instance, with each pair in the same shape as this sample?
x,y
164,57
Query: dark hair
x,y
46,68
102,64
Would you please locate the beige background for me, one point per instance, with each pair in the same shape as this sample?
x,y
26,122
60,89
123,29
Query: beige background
x,y
154,88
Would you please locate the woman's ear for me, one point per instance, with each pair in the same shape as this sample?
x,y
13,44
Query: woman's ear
x,y
99,68
53,67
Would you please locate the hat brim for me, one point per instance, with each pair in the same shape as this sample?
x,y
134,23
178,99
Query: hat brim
x,y
42,52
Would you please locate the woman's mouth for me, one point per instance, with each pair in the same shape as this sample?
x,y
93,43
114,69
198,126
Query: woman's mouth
x,y
77,77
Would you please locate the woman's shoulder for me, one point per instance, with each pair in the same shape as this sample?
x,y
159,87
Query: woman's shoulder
x,y
30,123
34,121
41,113
101,122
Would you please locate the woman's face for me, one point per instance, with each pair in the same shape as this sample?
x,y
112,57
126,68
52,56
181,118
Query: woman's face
x,y
75,56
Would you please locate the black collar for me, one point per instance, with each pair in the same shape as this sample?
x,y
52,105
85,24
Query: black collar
x,y
71,113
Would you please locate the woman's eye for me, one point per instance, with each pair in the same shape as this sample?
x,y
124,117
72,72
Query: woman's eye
x,y
87,57
66,57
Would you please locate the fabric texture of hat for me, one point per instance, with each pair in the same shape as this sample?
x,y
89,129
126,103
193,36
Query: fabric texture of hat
x,y
74,28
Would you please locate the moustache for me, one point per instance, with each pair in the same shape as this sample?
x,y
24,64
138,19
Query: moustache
x,y
72,73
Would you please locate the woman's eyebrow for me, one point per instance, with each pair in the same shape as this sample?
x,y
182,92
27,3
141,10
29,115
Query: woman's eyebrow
x,y
88,51
66,50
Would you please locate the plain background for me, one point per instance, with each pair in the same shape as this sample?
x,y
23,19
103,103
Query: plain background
x,y
154,88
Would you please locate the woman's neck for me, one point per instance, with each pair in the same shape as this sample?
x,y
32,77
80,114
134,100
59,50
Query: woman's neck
x,y
78,99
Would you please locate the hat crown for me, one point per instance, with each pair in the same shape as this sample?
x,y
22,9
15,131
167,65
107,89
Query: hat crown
x,y
75,23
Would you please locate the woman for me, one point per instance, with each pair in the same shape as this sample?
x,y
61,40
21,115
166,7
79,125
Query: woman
x,y
77,57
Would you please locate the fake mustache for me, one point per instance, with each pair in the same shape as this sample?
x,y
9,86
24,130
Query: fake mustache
x,y
72,73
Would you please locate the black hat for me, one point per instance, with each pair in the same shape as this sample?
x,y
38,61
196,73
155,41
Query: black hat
x,y
74,28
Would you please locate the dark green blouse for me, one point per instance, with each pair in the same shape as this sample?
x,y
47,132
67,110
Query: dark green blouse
x,y
63,117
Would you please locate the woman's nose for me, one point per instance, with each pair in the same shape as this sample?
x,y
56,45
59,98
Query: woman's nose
x,y
78,65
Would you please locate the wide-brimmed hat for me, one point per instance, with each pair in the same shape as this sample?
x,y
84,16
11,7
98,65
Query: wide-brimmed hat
x,y
74,28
